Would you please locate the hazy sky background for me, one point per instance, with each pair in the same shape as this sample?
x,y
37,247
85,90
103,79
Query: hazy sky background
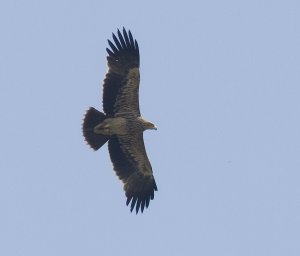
x,y
220,79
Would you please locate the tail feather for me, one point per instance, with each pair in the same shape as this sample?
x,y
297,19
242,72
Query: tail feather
x,y
92,118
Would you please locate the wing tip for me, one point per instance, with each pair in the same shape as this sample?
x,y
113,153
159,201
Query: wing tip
x,y
140,192
124,45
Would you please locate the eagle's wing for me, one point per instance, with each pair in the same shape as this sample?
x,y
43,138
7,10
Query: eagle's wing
x,y
121,84
130,161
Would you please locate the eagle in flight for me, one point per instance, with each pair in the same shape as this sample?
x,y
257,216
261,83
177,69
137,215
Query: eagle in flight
x,y
121,123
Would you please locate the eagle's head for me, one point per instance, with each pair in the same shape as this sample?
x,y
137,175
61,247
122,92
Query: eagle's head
x,y
148,125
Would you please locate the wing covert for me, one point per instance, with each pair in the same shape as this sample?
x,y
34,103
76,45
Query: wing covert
x,y
132,166
122,78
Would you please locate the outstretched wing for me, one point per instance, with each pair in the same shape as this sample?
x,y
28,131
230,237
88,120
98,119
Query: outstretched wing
x,y
121,84
132,166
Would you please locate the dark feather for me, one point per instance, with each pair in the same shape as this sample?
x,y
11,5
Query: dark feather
x,y
92,118
110,53
121,39
126,38
130,37
111,88
112,46
122,165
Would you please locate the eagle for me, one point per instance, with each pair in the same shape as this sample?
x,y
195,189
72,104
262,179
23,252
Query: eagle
x,y
121,124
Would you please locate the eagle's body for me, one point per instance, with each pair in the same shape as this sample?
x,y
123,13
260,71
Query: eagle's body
x,y
121,123
122,126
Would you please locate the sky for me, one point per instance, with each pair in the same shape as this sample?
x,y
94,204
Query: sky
x,y
220,80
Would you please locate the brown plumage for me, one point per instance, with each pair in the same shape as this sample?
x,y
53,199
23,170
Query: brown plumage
x,y
121,123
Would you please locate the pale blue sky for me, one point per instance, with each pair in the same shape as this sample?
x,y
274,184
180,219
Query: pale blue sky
x,y
220,79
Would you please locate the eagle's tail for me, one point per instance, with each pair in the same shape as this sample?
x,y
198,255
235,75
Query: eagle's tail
x,y
92,118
